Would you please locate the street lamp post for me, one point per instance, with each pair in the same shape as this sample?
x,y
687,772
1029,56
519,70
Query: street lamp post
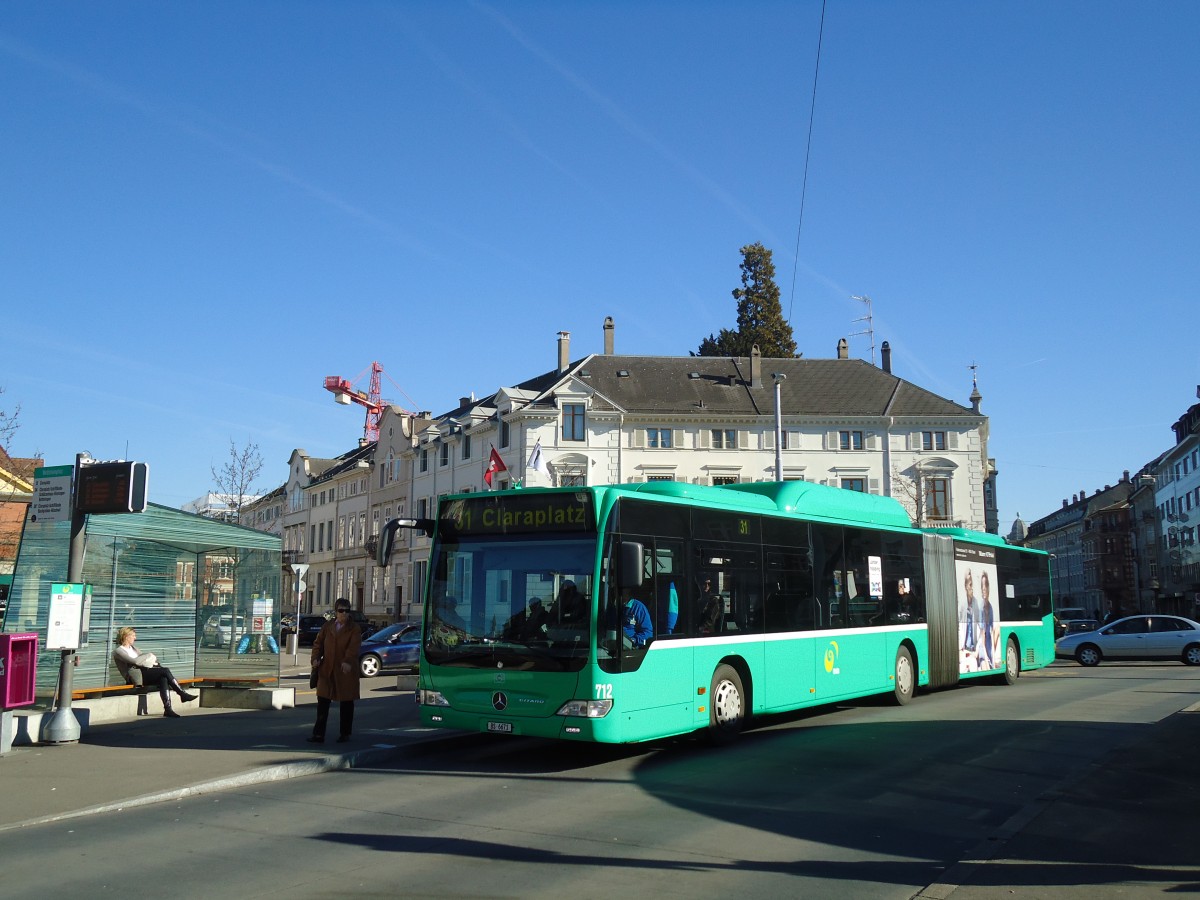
x,y
779,379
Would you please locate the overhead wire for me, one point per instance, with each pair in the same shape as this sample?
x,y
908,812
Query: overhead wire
x,y
807,154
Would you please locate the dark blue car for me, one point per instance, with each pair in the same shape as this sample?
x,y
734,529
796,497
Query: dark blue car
x,y
396,648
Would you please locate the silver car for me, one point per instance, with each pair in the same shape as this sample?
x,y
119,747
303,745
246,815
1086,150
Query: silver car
x,y
218,632
1134,637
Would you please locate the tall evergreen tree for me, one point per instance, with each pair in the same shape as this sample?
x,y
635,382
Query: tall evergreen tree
x,y
759,314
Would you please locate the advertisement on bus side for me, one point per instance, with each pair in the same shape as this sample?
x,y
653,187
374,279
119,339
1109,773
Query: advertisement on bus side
x,y
978,609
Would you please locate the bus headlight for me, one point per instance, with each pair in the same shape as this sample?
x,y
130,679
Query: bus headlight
x,y
588,709
433,698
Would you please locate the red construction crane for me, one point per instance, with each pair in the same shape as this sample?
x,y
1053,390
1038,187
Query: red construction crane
x,y
344,392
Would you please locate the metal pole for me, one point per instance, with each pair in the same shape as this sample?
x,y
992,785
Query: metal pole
x,y
779,379
63,727
295,635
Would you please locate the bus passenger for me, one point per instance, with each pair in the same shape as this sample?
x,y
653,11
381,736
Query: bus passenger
x,y
636,622
710,609
529,622
571,606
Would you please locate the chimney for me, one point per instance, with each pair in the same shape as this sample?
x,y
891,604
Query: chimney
x,y
1065,503
843,349
564,351
755,367
885,354
608,336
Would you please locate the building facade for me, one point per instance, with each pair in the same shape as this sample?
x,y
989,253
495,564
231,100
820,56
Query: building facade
x,y
1176,482
614,419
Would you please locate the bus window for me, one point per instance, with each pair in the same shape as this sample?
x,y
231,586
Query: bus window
x,y
828,576
903,579
789,587
735,576
667,577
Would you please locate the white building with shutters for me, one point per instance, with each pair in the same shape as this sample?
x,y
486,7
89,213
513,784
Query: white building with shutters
x,y
611,419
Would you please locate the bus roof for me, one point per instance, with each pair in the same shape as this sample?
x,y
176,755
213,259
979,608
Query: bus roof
x,y
801,498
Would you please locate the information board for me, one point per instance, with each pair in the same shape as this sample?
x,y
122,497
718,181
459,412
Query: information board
x,y
70,612
51,494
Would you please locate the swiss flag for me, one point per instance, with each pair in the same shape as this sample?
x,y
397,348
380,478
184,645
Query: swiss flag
x,y
495,464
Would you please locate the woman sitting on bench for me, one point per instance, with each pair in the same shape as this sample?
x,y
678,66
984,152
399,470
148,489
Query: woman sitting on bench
x,y
127,658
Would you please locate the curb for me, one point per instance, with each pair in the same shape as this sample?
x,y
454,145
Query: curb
x,y
279,772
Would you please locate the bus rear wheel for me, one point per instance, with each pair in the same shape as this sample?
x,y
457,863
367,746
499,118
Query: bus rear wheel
x,y
726,705
1012,663
906,677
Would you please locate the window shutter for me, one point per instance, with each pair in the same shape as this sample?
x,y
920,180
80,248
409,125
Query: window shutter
x,y
952,440
768,440
705,439
873,486
639,437
743,439
831,441
914,441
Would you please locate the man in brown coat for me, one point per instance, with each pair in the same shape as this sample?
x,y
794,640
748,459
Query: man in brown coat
x,y
335,657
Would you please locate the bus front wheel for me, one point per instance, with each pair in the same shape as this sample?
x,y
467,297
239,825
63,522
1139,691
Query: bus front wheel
x,y
726,705
906,677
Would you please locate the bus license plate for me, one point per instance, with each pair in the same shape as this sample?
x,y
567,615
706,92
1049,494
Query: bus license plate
x,y
502,727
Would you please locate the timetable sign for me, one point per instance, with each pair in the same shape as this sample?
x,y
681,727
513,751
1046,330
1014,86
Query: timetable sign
x,y
51,494
111,487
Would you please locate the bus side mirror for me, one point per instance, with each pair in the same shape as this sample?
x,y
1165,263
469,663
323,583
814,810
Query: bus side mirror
x,y
387,537
630,558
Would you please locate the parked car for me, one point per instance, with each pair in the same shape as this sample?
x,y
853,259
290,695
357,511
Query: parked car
x,y
396,648
217,630
363,623
1068,614
1073,626
1149,637
309,626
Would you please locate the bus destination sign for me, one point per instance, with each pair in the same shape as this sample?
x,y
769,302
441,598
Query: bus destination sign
x,y
518,512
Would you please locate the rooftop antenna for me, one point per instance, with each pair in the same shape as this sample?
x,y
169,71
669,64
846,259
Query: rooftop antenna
x,y
869,319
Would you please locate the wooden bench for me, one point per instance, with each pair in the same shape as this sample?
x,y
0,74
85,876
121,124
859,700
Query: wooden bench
x,y
123,690
233,682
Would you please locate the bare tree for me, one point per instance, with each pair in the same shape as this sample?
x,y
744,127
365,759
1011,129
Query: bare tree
x,y
235,480
909,492
8,424
21,466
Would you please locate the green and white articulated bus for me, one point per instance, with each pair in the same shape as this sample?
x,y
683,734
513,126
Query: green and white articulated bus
x,y
630,612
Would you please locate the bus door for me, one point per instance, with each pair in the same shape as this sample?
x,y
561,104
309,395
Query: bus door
x,y
727,608
640,642
790,620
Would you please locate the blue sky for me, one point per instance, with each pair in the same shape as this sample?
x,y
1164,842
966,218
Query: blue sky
x,y
206,208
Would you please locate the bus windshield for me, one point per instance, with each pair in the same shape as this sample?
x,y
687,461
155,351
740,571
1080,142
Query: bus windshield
x,y
511,601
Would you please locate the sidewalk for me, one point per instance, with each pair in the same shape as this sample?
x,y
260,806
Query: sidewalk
x,y
121,764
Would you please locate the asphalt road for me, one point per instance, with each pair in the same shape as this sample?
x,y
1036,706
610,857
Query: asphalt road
x,y
869,801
